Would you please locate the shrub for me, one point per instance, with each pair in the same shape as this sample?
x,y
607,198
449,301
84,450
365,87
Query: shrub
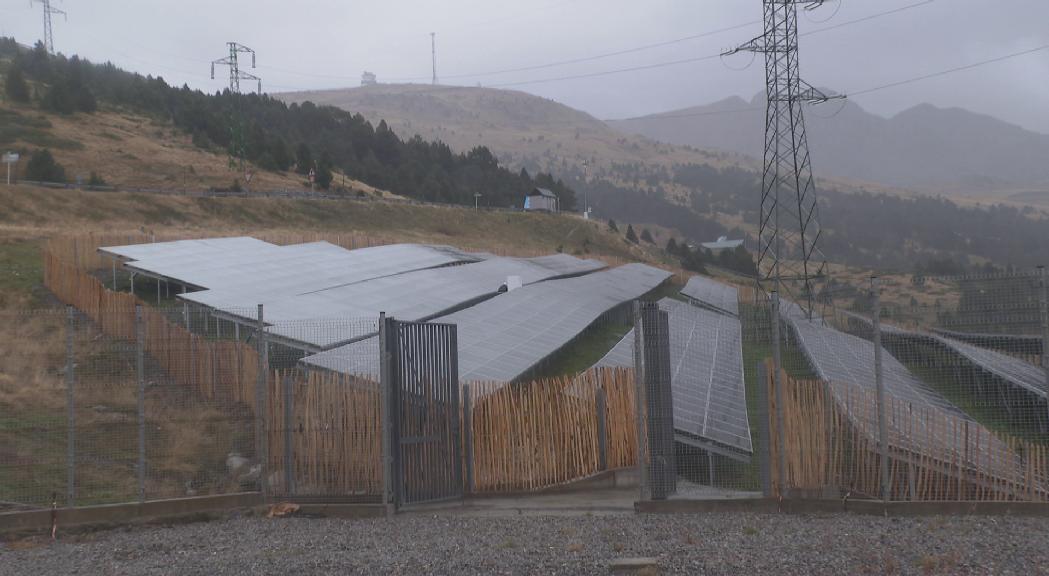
x,y
43,167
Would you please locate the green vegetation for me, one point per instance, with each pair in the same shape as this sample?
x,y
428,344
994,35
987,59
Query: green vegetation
x,y
42,167
325,138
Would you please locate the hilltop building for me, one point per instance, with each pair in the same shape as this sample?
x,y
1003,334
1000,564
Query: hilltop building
x,y
368,79
541,200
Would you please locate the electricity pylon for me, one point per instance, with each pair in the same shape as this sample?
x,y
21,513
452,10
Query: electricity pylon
x,y
789,257
236,143
49,38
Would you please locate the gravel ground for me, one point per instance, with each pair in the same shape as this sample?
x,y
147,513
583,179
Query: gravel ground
x,y
580,544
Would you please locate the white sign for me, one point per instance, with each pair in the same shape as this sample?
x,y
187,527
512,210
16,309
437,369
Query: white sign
x,y
11,157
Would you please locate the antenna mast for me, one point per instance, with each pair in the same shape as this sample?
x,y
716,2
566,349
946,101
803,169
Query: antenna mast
x,y
49,38
788,253
433,55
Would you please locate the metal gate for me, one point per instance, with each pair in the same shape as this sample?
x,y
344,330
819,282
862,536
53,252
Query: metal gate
x,y
426,446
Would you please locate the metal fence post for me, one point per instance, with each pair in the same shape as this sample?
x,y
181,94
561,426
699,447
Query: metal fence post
x,y
261,438
70,410
387,411
468,438
777,380
1044,302
660,421
764,446
289,461
640,401
602,430
883,422
140,371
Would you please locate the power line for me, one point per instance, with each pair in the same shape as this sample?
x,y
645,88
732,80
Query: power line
x,y
950,70
866,18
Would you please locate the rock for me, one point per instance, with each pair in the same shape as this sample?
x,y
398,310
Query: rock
x,y
236,464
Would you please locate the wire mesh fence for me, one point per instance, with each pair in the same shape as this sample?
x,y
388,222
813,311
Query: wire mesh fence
x,y
927,388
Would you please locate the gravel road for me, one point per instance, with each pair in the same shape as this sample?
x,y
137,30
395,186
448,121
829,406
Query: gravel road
x,y
566,544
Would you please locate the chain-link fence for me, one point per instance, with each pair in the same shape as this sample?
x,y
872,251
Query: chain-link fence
x,y
899,388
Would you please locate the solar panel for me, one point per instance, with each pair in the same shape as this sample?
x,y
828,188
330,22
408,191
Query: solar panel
x,y
412,296
503,338
707,384
200,248
290,269
710,293
1012,370
844,360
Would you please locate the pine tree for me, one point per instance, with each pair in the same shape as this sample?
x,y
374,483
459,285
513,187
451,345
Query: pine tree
x,y
646,236
42,167
612,225
15,85
631,236
671,246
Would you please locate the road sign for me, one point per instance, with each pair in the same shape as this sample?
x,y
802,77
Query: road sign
x,y
11,157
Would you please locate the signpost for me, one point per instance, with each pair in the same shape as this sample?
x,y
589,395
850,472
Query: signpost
x,y
9,159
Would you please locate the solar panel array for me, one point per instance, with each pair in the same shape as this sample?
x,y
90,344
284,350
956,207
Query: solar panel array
x,y
503,338
413,296
843,360
249,269
1012,370
713,294
840,357
706,356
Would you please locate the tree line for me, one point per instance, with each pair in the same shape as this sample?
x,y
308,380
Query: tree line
x,y
276,136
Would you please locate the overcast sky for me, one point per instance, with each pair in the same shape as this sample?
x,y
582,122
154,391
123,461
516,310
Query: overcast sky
x,y
311,44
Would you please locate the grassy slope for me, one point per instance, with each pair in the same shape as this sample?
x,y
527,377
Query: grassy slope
x,y
130,150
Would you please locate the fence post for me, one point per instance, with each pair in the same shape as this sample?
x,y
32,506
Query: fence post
x,y
70,410
640,402
468,438
1044,301
289,461
764,446
261,438
660,422
602,430
879,380
777,380
140,371
387,411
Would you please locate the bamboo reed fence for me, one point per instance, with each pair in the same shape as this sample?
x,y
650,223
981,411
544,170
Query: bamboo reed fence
x,y
544,433
216,369
831,442
335,434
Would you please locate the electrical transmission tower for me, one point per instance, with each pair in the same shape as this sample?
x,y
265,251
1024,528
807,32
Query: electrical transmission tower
x,y
789,257
236,143
49,39
433,55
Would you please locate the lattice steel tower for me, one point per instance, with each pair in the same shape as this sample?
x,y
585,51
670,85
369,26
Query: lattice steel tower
x,y
236,125
49,38
789,257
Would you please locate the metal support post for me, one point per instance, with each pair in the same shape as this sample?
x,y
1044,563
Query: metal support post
x,y
602,430
140,370
261,440
764,447
185,315
289,428
132,290
879,380
468,438
777,379
660,404
1044,300
114,263
158,292
386,385
70,409
640,403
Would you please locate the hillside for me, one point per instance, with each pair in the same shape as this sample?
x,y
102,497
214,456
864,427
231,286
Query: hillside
x,y
950,151
522,129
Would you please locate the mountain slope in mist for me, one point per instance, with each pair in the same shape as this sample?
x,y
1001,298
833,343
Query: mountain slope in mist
x,y
925,147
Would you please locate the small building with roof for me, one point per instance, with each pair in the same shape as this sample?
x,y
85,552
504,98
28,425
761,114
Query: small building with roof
x,y
541,200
